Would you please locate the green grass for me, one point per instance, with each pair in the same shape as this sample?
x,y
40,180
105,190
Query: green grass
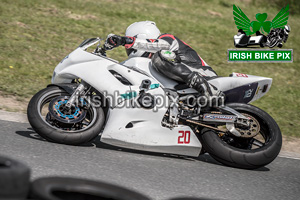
x,y
36,35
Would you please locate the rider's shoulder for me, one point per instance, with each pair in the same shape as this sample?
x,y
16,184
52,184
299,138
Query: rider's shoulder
x,y
166,35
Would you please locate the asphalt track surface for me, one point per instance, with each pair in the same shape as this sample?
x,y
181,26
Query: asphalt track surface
x,y
158,176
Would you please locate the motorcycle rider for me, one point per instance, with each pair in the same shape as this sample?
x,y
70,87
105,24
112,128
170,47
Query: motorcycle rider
x,y
170,56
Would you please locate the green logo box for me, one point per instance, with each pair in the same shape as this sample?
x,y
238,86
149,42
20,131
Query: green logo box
x,y
260,55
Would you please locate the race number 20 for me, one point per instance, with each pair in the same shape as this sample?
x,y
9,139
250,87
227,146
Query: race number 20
x,y
184,137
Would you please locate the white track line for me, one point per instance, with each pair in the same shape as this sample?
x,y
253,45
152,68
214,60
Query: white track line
x,y
22,118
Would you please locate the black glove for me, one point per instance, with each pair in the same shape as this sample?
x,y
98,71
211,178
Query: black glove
x,y
114,41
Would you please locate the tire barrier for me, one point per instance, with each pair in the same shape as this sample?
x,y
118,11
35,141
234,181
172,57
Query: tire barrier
x,y
15,185
66,188
14,179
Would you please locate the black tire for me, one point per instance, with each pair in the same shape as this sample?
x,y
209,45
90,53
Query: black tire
x,y
53,134
63,188
261,44
243,158
14,179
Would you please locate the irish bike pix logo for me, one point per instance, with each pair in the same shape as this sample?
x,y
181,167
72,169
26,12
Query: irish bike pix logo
x,y
261,40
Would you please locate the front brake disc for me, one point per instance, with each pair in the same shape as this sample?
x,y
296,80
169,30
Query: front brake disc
x,y
58,110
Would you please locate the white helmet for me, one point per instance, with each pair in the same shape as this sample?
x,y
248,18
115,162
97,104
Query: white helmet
x,y
142,30
287,29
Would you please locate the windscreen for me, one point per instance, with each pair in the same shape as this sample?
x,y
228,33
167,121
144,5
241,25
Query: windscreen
x,y
89,42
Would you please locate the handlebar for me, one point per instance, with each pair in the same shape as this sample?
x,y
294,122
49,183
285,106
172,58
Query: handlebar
x,y
101,50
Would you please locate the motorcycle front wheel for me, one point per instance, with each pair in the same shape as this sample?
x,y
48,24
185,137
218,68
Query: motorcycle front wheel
x,y
49,117
245,152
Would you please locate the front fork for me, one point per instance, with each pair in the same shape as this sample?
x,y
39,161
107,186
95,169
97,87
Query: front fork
x,y
77,92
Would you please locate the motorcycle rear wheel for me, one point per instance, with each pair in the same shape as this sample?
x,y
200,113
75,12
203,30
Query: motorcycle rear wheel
x,y
66,134
246,158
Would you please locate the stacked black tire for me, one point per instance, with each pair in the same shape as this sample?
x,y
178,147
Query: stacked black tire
x,y
63,188
14,179
15,185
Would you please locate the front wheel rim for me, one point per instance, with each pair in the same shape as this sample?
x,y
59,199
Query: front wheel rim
x,y
88,122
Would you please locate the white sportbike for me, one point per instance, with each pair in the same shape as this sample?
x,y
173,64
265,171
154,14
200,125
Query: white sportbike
x,y
131,105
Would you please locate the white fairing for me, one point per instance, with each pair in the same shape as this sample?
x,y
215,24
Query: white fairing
x,y
255,39
238,80
237,38
132,126
147,133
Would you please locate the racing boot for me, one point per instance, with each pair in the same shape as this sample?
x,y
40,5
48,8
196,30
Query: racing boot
x,y
214,97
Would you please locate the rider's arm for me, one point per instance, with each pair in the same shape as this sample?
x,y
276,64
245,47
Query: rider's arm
x,y
164,42
149,45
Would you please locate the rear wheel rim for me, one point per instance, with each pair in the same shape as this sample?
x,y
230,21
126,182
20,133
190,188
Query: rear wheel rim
x,y
260,140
